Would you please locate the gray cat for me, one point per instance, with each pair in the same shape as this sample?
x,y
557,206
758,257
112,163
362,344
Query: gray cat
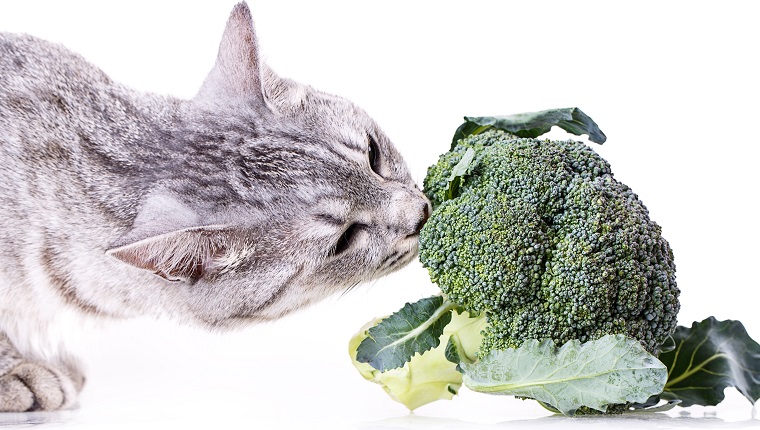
x,y
257,197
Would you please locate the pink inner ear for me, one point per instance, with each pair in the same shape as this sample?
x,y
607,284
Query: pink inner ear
x,y
190,268
185,255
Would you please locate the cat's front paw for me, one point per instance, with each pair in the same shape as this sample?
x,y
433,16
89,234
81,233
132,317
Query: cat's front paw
x,y
33,386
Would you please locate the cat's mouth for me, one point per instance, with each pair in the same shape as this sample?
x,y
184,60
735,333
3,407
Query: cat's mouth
x,y
404,253
392,260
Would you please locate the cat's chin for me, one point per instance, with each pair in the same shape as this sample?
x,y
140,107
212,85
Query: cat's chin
x,y
401,255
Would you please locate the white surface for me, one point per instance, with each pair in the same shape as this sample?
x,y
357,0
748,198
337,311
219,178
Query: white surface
x,y
674,85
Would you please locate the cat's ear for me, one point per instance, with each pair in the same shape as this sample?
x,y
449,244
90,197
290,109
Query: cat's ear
x,y
170,239
185,255
237,72
283,95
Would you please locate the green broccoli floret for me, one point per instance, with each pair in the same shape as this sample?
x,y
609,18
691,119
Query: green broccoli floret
x,y
544,241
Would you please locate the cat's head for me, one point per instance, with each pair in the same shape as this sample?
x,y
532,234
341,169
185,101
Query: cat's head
x,y
316,197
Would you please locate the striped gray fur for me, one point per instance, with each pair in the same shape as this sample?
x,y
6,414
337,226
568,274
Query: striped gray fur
x,y
254,199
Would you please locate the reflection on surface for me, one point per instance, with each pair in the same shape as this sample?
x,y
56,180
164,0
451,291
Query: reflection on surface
x,y
704,418
35,418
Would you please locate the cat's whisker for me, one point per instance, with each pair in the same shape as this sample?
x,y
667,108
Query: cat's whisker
x,y
348,290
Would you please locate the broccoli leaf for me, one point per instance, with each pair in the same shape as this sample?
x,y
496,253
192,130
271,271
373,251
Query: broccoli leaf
x,y
429,376
611,370
415,328
466,335
459,172
533,124
709,357
468,128
452,351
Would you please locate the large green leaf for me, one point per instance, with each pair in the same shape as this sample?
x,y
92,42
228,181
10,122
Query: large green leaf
x,y
415,328
709,357
533,124
611,370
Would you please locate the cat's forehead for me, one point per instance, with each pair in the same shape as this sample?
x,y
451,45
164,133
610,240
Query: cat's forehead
x,y
334,123
349,122
336,112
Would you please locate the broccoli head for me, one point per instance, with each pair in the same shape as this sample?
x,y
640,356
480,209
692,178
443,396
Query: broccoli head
x,y
544,241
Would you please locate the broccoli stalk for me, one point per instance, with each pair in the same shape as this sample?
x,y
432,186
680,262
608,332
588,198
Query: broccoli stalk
x,y
425,376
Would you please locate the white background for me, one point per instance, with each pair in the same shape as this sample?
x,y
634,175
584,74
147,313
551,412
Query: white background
x,y
674,85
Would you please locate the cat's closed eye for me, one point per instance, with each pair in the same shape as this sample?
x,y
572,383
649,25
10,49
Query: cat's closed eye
x,y
347,238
